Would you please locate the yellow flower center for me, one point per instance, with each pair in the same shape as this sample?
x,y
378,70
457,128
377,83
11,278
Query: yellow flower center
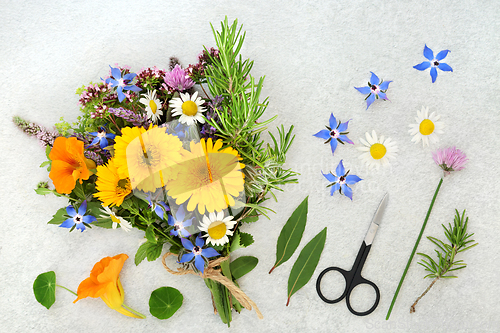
x,y
153,106
189,108
114,218
123,187
378,151
217,230
151,156
426,127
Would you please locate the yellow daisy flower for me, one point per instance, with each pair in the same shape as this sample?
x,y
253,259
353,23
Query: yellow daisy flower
x,y
377,150
427,127
111,188
153,105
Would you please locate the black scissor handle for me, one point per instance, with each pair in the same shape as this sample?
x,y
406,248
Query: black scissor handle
x,y
347,277
356,282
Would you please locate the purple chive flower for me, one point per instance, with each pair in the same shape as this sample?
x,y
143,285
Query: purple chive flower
x,y
434,63
179,224
121,83
450,159
139,120
178,79
159,207
376,88
78,219
341,180
197,253
334,133
102,137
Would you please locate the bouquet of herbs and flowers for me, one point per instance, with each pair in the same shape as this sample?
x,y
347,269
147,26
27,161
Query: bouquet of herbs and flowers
x,y
154,150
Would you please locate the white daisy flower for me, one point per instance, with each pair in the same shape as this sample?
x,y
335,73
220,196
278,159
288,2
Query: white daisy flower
x,y
117,220
217,228
377,151
427,127
189,108
153,105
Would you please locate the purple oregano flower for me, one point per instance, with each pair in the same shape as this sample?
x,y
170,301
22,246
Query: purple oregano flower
x,y
434,63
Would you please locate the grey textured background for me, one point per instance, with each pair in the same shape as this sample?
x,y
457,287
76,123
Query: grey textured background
x,y
312,55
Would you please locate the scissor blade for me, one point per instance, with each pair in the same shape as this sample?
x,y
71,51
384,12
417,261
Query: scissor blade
x,y
377,218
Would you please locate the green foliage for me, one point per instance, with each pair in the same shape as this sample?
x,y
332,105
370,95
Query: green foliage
x,y
44,289
164,302
59,217
243,265
149,250
241,240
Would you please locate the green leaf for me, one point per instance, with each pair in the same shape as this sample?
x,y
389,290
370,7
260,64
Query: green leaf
x,y
246,239
291,234
242,266
250,219
43,191
150,234
164,302
59,217
306,263
44,288
78,191
154,251
141,254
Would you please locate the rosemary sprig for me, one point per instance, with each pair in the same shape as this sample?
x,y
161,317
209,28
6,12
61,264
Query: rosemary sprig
x,y
459,241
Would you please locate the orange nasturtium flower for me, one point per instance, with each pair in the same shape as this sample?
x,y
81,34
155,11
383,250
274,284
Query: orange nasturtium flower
x,y
104,282
68,164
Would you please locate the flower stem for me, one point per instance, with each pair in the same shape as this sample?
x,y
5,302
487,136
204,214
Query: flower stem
x,y
71,291
414,250
134,312
412,308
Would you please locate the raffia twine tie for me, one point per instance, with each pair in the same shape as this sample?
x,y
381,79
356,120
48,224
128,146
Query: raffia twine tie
x,y
215,274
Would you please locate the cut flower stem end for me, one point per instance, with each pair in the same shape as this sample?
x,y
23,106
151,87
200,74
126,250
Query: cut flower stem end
x,y
414,250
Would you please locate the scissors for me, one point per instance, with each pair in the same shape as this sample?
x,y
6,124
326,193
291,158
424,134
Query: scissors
x,y
353,277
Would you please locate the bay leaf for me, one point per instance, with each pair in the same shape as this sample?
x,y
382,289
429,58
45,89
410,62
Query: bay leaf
x,y
242,266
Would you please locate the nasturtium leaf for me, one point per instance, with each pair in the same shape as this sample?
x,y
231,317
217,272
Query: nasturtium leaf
x,y
291,234
306,263
164,302
242,266
59,217
44,288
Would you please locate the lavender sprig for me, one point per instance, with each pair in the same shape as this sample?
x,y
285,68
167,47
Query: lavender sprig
x,y
131,117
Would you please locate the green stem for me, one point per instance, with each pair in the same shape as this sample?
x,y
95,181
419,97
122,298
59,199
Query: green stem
x,y
71,291
414,250
134,312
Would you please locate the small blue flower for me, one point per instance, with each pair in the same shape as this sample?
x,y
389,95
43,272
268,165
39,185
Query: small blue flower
x,y
434,63
335,133
340,181
179,224
376,88
122,83
159,207
197,253
102,137
79,219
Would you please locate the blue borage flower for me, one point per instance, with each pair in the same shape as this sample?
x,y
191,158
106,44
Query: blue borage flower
x,y
335,133
341,180
121,83
376,88
197,252
179,223
434,62
102,137
78,220
159,207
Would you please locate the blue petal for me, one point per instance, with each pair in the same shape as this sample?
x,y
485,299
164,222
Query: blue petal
x,y
441,55
344,138
83,208
374,79
159,211
209,252
434,74
188,223
129,76
333,121
428,54
370,100
164,205
89,219
80,227
364,90
170,221
334,188
333,145
110,135
104,143
331,178
93,133
445,67
347,191
96,140
340,170
422,66
173,232
121,96
71,211
352,179
133,88
187,244
385,85
67,224
382,95
199,263
343,127
186,257
116,73
199,241
184,233
323,134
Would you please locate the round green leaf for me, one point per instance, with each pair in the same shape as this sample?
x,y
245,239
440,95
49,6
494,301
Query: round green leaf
x,y
164,302
44,288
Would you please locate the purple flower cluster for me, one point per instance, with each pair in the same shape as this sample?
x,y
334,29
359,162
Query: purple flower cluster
x,y
150,78
99,94
450,159
93,152
130,116
45,137
207,130
197,71
178,80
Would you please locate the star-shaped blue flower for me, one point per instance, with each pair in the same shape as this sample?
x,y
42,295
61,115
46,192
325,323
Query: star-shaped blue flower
x,y
434,62
340,181
122,83
334,133
179,224
159,207
102,137
375,89
80,220
197,253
